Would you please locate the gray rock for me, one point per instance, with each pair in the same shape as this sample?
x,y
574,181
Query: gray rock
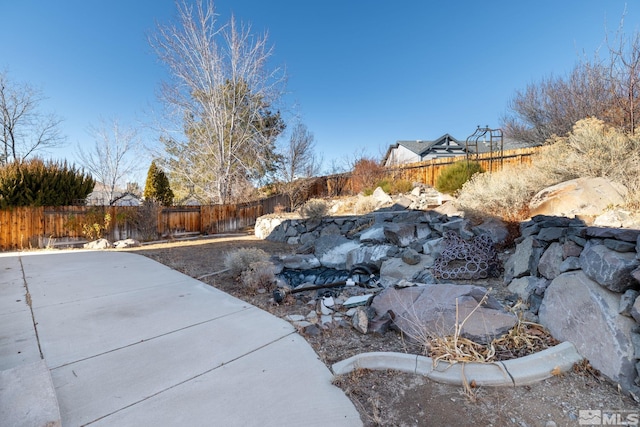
x,y
127,243
330,230
301,262
98,244
577,309
368,255
619,246
423,231
635,340
433,247
332,251
374,234
570,264
524,287
551,234
400,234
571,249
380,197
410,256
550,261
623,234
524,261
626,302
609,268
395,269
360,320
635,310
494,227
431,310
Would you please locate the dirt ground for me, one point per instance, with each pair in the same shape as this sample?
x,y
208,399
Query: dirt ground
x,y
392,398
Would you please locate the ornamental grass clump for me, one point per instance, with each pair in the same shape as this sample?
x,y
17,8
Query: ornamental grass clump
x,y
314,209
241,259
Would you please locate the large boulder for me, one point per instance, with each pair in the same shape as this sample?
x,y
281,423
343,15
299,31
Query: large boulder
x,y
581,196
577,309
609,268
435,310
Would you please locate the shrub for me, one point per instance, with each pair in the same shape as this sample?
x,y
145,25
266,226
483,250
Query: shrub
x,y
157,186
314,209
39,183
594,149
364,205
453,177
145,220
505,193
240,259
93,224
366,173
258,275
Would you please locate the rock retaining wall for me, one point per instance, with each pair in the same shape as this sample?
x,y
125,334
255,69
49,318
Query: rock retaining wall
x,y
580,281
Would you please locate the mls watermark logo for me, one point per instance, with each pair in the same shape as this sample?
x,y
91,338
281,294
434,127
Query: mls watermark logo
x,y
597,417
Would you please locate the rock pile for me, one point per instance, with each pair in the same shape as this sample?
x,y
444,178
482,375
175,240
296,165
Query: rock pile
x,y
404,246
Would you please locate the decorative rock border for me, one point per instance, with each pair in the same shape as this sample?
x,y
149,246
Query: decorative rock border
x,y
516,372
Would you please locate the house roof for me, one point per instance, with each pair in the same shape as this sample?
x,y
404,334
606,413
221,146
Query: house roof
x,y
421,147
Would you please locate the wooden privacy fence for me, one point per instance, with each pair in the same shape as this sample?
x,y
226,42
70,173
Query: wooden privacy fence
x,y
34,227
426,172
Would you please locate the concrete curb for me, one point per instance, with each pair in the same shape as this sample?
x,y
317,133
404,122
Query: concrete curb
x,y
27,396
525,370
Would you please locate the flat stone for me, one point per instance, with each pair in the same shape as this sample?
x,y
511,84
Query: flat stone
x,y
619,246
577,309
609,268
435,308
624,234
550,234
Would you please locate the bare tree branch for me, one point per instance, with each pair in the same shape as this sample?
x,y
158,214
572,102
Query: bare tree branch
x,y
112,159
24,129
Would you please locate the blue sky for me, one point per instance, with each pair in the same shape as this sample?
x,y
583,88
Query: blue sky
x,y
362,73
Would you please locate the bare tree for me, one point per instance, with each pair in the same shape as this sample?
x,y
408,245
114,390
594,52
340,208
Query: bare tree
x,y
624,79
298,163
552,106
219,101
24,129
112,159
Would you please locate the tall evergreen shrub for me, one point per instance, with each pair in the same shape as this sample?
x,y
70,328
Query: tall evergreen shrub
x,y
35,182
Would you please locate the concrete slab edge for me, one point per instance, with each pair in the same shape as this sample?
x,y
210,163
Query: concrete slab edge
x,y
28,397
525,370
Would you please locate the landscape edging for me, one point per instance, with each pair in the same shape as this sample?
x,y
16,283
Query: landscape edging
x,y
524,370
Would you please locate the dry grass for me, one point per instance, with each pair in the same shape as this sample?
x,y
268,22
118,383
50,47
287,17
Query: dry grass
x,y
592,149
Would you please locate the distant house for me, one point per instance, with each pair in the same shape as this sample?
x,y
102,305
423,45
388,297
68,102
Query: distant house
x,y
416,151
100,196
